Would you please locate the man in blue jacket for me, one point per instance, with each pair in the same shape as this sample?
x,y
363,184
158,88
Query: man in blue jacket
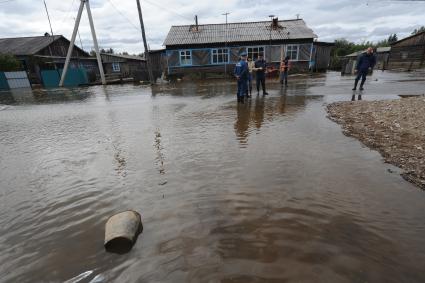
x,y
365,62
242,73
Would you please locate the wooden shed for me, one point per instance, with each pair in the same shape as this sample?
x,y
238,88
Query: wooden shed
x,y
408,53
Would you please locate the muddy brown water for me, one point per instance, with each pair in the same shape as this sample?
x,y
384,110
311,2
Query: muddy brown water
x,y
267,191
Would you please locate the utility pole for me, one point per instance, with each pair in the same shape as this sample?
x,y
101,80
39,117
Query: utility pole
x,y
225,47
270,45
71,45
147,55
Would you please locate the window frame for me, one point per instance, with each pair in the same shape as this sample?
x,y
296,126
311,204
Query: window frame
x,y
257,52
226,54
297,51
187,59
116,67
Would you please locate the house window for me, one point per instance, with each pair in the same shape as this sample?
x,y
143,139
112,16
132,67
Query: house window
x,y
220,56
292,52
116,67
253,52
185,57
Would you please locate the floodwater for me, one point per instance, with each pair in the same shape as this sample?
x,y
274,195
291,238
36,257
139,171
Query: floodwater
x,y
266,191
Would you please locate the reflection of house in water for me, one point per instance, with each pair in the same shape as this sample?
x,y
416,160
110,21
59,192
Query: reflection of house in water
x,y
260,110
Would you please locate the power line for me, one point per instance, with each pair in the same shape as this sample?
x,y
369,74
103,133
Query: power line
x,y
171,11
127,19
1,2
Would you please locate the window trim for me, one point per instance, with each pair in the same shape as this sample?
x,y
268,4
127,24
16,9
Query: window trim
x,y
258,46
180,57
298,51
219,63
114,67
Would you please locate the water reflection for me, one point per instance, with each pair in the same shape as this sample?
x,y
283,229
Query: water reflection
x,y
43,96
256,112
353,97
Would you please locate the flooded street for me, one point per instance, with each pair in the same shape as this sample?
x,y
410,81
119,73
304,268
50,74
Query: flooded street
x,y
266,191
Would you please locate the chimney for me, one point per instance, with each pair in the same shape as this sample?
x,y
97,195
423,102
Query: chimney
x,y
196,23
275,23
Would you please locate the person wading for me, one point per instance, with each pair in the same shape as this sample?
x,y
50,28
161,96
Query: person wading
x,y
241,73
365,63
284,69
260,67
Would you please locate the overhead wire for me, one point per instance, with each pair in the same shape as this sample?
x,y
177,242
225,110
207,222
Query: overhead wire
x,y
1,2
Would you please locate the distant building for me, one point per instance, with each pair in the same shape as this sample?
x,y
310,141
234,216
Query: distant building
x,y
408,53
119,67
216,47
42,53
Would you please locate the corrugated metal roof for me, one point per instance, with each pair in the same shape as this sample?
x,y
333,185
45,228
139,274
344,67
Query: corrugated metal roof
x,y
26,45
131,57
238,32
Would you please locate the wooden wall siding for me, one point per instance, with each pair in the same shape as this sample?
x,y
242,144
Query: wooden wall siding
x,y
234,53
414,40
407,57
201,57
275,53
173,58
322,56
60,48
304,52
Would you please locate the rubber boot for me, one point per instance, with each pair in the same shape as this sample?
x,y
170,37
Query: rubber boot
x,y
361,85
355,84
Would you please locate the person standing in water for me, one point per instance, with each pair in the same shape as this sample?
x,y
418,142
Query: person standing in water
x,y
251,66
284,69
365,63
241,73
260,67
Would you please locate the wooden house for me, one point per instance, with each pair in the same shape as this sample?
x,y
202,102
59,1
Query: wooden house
x,y
38,53
215,48
119,66
408,53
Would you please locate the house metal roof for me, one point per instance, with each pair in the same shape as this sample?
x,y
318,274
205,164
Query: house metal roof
x,y
29,45
238,32
122,56
25,45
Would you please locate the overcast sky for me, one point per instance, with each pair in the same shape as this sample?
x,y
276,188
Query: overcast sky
x,y
117,24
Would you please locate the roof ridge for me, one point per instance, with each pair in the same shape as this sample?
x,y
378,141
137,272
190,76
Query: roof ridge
x,y
252,22
31,36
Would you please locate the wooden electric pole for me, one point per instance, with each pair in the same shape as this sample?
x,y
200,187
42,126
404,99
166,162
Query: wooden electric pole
x,y
147,56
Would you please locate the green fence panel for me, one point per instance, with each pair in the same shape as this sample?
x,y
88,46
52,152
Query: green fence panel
x,y
74,77
3,82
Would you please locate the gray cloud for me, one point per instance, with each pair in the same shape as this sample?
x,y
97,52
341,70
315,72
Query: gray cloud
x,y
355,20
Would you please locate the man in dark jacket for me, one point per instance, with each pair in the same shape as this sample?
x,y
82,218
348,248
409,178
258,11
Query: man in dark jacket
x,y
365,62
260,67
242,74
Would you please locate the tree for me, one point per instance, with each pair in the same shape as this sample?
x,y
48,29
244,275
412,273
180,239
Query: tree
x,y
416,31
392,38
9,63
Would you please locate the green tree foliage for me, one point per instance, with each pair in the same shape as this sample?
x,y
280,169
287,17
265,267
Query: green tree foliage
x,y
392,38
421,29
8,63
